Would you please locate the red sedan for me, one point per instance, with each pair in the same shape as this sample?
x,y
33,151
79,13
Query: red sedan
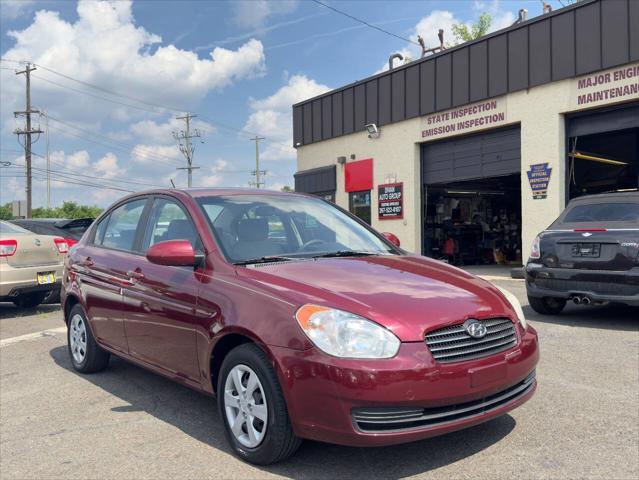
x,y
302,320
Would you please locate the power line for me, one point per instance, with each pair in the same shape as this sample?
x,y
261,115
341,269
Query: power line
x,y
363,22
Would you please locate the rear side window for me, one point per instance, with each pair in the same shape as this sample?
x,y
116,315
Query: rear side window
x,y
603,212
121,226
6,227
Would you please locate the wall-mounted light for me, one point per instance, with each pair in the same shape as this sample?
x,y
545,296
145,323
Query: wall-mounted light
x,y
373,131
298,144
341,160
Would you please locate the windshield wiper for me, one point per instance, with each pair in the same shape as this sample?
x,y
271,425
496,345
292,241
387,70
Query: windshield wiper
x,y
268,259
345,253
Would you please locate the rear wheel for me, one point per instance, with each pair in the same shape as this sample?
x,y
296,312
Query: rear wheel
x,y
252,407
29,300
86,355
547,305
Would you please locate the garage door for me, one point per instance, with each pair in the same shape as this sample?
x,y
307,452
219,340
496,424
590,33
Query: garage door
x,y
491,154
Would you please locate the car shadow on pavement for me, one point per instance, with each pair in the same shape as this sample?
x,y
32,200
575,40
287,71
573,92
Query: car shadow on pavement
x,y
9,310
195,414
609,317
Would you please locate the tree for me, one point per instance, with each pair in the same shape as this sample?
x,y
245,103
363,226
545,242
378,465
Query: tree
x,y
6,212
286,188
67,210
464,34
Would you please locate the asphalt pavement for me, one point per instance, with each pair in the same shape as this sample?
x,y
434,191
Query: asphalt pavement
x,y
126,422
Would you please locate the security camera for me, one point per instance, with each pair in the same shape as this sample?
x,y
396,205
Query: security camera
x,y
373,131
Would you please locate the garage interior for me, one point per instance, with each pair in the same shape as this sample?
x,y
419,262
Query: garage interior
x,y
603,151
472,198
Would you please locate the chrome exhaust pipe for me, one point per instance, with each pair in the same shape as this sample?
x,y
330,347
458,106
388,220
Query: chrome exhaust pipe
x,y
576,300
586,301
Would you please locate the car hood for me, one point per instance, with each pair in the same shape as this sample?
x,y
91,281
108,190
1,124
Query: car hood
x,y
409,295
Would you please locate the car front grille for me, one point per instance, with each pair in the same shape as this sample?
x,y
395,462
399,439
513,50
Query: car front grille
x,y
454,344
388,419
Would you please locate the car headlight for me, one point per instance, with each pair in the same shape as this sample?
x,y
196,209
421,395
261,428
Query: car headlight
x,y
346,335
516,306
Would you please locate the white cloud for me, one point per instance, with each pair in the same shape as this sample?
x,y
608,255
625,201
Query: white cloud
x,y
12,9
104,46
254,13
215,177
272,116
149,154
107,166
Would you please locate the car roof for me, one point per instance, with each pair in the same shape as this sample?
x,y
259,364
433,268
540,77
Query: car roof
x,y
198,192
606,197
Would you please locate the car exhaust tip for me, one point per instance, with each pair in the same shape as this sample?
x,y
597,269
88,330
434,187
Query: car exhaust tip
x,y
576,300
585,301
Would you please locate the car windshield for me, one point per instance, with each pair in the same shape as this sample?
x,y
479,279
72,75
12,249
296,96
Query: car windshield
x,y
603,212
6,227
258,228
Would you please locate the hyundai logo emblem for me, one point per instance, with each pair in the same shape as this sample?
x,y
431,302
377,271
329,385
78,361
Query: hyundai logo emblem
x,y
475,328
586,234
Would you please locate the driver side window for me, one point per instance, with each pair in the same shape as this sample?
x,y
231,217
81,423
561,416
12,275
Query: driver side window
x,y
168,221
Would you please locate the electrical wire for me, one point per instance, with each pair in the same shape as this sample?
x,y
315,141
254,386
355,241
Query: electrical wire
x,y
363,22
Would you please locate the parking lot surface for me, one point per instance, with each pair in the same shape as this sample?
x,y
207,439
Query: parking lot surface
x,y
126,422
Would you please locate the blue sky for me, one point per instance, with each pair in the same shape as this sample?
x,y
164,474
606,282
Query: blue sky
x,y
238,65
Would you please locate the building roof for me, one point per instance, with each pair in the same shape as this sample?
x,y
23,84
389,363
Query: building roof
x,y
582,38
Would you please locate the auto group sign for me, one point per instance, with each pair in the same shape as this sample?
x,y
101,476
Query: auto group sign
x,y
390,201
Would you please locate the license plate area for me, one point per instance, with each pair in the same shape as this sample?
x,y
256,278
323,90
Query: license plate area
x,y
590,250
45,278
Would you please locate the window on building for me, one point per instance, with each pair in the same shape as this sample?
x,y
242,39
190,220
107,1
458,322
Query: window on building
x,y
359,204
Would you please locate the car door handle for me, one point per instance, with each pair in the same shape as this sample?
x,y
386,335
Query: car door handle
x,y
135,274
88,262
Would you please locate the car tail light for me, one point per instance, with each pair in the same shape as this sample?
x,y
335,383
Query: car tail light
x,y
8,247
61,243
70,241
589,230
535,251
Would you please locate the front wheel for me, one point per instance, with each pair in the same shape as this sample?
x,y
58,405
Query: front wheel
x,y
547,305
252,407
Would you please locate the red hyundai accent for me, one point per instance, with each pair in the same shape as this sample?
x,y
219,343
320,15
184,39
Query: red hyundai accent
x,y
302,320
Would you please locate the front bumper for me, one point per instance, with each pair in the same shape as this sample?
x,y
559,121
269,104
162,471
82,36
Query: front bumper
x,y
599,285
326,396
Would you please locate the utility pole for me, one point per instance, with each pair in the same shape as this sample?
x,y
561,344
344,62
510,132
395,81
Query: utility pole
x,y
183,138
46,137
27,132
257,172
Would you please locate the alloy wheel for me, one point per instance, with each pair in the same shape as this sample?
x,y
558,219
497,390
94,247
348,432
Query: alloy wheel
x,y
78,338
245,406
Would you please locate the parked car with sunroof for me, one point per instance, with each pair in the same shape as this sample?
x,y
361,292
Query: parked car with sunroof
x,y
589,255
30,265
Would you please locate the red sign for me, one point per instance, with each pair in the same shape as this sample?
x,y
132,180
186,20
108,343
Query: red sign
x,y
390,201
358,175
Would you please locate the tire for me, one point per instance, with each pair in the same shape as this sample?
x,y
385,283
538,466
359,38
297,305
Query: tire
x,y
85,354
29,300
278,441
547,305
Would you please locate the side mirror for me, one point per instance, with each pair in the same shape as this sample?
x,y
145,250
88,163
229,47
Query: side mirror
x,y
176,253
392,239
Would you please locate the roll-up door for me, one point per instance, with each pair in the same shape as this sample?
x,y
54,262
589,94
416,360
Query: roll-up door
x,y
482,155
607,120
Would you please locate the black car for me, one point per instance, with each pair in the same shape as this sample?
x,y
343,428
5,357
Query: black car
x,y
69,229
590,254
